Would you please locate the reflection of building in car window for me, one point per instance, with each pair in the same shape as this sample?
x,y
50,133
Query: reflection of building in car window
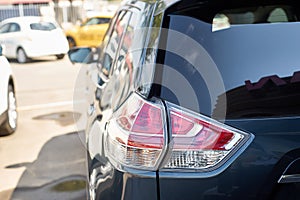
x,y
271,96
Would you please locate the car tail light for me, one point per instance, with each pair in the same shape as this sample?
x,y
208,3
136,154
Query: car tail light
x,y
138,136
199,142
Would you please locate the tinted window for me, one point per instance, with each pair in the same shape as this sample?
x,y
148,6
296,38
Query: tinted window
x,y
124,57
244,60
113,41
42,26
14,27
103,20
4,28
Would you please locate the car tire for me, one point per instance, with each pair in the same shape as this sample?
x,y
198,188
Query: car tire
x,y
71,42
22,56
60,56
10,124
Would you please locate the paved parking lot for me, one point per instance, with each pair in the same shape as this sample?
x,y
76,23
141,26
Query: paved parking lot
x,y
44,158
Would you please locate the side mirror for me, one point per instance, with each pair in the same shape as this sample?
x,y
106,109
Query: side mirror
x,y
1,50
82,55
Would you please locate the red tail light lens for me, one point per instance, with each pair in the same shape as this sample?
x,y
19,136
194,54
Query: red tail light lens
x,y
193,133
180,125
136,133
149,120
201,142
137,137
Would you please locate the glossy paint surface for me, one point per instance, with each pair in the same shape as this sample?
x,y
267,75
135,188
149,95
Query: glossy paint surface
x,y
245,76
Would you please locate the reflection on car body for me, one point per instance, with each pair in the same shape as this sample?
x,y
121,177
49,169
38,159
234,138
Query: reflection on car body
x,y
90,32
195,100
274,79
271,96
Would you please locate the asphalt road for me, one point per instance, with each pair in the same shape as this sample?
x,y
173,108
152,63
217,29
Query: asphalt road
x,y
44,158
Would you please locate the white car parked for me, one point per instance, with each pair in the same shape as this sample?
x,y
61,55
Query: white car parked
x,y
8,108
32,36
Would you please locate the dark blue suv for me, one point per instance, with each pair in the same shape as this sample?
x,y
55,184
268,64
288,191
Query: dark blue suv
x,y
195,99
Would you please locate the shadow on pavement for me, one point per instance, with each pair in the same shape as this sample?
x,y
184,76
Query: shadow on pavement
x,y
36,60
64,118
57,173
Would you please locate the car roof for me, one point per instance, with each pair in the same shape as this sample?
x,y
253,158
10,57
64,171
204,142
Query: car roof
x,y
27,19
181,4
24,22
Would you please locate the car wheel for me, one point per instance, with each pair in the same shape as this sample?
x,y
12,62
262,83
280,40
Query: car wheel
x,y
10,124
21,56
60,56
71,42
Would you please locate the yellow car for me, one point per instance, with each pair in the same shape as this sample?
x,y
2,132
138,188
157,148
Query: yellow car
x,y
89,33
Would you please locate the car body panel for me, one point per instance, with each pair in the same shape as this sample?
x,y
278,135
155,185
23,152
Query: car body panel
x,y
254,174
205,68
258,99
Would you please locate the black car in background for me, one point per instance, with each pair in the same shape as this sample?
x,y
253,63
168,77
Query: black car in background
x,y
195,100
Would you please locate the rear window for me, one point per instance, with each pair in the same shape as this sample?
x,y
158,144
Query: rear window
x,y
234,63
42,26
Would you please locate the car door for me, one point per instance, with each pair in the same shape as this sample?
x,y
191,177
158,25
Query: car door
x,y
114,80
10,37
100,88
